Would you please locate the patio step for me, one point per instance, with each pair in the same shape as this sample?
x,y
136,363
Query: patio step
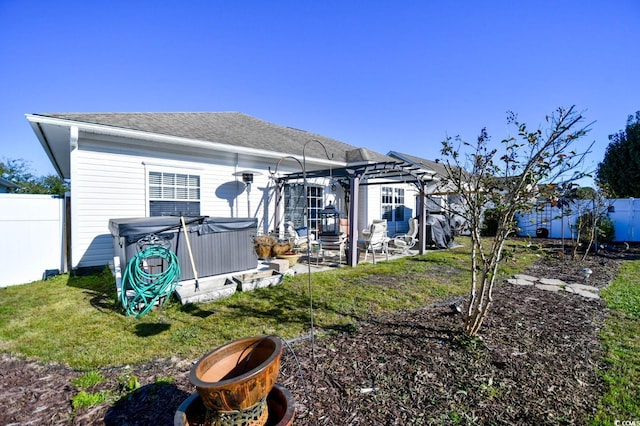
x,y
210,289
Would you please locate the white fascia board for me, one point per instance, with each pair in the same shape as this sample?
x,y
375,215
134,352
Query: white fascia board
x,y
101,129
44,142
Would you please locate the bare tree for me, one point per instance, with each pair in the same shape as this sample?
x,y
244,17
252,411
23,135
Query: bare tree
x,y
508,180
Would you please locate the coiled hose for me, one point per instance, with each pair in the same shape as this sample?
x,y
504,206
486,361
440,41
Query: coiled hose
x,y
141,289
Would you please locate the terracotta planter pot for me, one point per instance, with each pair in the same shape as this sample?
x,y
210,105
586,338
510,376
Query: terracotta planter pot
x,y
280,404
238,375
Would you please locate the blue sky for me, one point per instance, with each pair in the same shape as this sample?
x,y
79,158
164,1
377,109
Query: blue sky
x,y
386,75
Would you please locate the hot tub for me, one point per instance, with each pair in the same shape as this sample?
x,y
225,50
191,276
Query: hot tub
x,y
219,245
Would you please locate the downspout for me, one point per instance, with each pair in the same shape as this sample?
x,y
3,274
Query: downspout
x,y
354,185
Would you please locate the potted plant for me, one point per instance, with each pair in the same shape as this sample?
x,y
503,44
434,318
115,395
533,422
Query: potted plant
x,y
263,245
281,247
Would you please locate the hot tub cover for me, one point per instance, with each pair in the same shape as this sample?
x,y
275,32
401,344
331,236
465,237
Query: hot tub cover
x,y
135,228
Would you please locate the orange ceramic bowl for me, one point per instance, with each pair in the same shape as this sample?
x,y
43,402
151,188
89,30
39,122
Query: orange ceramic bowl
x,y
239,374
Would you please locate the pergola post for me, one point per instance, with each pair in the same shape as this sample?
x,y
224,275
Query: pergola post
x,y
422,220
354,187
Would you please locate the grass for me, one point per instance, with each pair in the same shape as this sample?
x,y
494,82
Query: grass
x,y
127,384
621,341
88,379
77,321
85,399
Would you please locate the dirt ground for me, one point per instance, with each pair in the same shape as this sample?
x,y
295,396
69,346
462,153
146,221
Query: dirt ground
x,y
536,363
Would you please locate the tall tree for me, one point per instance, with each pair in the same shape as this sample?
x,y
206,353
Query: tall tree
x,y
620,168
19,172
15,170
508,180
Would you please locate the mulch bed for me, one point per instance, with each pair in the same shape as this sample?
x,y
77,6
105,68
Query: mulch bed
x,y
536,363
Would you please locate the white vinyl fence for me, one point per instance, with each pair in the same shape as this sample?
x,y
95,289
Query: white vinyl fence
x,y
32,229
624,212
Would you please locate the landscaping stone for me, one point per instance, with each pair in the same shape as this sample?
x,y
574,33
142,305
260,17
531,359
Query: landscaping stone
x,y
552,281
587,294
548,287
555,285
585,287
525,277
519,281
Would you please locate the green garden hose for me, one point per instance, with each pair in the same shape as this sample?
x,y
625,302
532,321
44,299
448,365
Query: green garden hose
x,y
141,289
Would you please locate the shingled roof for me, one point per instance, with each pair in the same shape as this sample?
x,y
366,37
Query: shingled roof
x,y
434,166
231,128
4,183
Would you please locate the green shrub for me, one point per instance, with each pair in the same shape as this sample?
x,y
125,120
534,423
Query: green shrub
x,y
491,218
490,223
605,230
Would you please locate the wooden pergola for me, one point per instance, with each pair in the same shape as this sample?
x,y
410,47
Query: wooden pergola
x,y
352,177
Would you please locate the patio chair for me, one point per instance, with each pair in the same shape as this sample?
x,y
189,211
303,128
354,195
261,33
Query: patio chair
x,y
401,243
299,241
375,239
332,243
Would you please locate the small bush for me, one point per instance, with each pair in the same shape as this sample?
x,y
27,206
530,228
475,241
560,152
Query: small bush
x,y
491,218
490,223
605,230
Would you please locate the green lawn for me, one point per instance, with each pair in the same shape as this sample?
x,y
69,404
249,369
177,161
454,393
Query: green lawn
x,y
76,320
621,341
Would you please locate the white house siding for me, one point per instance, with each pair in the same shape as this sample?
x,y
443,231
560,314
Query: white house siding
x,y
108,185
110,181
105,185
370,203
32,227
375,206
